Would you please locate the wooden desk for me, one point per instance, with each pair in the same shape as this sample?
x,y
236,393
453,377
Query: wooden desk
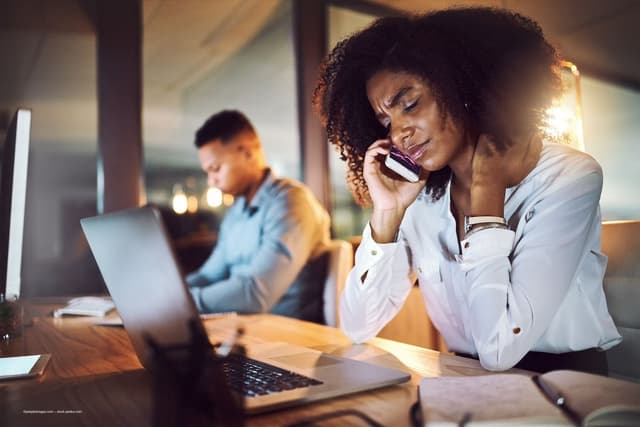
x,y
94,377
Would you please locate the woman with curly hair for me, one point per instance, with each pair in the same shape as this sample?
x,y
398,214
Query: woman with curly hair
x,y
501,230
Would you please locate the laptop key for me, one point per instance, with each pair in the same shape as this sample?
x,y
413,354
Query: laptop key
x,y
254,378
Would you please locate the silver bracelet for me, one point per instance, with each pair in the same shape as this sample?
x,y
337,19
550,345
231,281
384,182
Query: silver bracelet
x,y
485,226
470,221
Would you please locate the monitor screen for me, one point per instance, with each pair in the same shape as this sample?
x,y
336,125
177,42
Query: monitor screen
x,y
13,191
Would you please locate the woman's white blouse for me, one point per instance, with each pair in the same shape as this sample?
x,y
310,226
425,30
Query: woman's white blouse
x,y
499,293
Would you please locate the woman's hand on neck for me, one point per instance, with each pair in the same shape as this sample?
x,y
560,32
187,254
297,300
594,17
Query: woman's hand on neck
x,y
485,172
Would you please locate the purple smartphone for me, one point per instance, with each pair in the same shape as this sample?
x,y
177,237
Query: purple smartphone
x,y
403,165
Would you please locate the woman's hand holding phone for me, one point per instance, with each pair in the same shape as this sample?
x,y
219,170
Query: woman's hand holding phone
x,y
390,193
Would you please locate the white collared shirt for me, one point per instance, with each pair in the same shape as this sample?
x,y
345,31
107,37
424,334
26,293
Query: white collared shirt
x,y
499,293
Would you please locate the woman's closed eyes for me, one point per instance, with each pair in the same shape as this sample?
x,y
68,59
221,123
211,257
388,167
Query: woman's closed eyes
x,y
411,106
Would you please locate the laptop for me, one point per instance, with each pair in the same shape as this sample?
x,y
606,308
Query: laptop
x,y
137,262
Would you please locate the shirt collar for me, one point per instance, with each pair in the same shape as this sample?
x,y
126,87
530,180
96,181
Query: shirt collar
x,y
262,194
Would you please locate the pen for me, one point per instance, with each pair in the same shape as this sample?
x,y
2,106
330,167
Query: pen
x,y
466,417
225,347
557,399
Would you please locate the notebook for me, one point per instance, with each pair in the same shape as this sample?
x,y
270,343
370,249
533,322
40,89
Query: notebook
x,y
560,398
138,265
86,306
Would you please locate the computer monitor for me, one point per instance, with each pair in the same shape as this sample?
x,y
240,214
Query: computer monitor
x,y
13,192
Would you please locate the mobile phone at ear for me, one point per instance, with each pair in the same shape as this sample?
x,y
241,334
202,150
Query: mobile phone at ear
x,y
403,165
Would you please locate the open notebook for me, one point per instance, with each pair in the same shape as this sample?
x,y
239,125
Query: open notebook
x,y
514,399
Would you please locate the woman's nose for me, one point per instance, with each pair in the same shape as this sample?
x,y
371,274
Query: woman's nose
x,y
400,136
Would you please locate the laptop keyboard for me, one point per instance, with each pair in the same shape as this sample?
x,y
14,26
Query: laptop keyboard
x,y
254,378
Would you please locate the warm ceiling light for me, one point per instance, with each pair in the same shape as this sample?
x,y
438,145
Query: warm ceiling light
x,y
214,197
192,204
179,202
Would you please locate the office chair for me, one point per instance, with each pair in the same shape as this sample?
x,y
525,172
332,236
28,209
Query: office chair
x,y
339,265
621,243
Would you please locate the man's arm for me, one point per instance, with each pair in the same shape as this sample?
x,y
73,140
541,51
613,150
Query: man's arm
x,y
215,268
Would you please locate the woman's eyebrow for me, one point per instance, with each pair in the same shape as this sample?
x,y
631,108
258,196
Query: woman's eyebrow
x,y
396,98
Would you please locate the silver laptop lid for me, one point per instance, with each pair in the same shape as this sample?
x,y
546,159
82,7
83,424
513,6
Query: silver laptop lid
x,y
139,267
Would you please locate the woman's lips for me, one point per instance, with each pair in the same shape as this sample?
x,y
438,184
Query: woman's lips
x,y
417,151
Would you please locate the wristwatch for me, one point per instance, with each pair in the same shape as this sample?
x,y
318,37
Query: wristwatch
x,y
470,221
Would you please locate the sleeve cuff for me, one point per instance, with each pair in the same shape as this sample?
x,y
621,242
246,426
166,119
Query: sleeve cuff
x,y
370,252
484,246
195,294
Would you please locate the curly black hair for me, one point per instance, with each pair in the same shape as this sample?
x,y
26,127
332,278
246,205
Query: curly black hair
x,y
490,70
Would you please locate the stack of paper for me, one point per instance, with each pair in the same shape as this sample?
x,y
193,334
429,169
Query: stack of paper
x,y
86,306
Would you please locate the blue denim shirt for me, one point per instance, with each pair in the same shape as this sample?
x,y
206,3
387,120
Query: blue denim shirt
x,y
270,255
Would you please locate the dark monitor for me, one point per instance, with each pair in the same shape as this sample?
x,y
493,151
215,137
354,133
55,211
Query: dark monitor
x,y
14,161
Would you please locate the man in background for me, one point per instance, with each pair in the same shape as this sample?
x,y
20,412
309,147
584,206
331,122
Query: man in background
x,y
270,254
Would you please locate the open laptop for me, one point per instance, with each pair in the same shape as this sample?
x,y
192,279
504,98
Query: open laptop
x,y
138,265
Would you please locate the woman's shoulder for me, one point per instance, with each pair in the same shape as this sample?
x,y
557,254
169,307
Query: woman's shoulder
x,y
562,157
561,171
561,165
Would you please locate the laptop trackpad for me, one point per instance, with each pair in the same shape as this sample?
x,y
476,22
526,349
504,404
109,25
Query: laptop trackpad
x,y
307,360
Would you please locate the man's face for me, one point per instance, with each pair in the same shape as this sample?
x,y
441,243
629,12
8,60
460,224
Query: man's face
x,y
226,165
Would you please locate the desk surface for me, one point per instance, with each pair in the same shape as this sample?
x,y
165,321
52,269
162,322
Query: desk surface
x,y
94,377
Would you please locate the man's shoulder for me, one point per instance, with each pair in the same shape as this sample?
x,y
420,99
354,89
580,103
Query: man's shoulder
x,y
290,195
282,187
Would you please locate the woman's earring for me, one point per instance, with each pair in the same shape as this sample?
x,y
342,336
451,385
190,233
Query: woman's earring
x,y
466,106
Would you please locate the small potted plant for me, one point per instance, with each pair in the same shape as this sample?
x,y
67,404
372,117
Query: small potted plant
x,y
10,318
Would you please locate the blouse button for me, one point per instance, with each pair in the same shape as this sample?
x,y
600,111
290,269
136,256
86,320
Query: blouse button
x,y
516,330
420,270
374,252
466,245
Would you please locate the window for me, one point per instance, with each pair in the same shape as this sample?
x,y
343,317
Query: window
x,y
611,130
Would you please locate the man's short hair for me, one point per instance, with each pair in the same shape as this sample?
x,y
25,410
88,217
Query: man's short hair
x,y
224,126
